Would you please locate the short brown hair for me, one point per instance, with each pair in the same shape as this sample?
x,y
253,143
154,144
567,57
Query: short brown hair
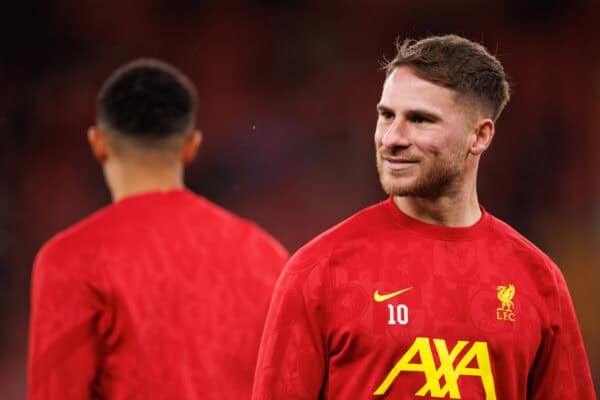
x,y
458,64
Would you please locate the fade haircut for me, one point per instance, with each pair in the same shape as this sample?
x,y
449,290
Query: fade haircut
x,y
458,64
147,100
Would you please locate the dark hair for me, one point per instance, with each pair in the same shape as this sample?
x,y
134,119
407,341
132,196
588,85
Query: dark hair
x,y
147,99
456,63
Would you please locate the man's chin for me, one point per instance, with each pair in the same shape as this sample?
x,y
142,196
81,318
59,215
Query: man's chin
x,y
398,192
397,188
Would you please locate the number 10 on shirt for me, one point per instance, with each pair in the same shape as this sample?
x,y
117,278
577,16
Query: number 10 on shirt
x,y
398,314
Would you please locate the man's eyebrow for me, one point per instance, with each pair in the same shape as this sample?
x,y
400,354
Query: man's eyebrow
x,y
381,108
424,114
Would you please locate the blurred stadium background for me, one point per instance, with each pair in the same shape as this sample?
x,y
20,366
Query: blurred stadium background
x,y
287,93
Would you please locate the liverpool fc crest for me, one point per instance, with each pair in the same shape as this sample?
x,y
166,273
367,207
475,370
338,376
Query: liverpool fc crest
x,y
506,311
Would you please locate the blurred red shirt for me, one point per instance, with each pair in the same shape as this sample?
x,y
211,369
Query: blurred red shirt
x,y
161,295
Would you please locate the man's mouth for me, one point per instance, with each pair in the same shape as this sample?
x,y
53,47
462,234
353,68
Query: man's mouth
x,y
398,163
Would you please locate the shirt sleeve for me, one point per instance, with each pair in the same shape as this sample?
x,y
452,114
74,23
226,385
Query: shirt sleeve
x,y
293,354
65,324
561,369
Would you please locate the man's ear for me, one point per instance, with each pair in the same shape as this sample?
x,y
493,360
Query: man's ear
x,y
482,137
190,146
97,141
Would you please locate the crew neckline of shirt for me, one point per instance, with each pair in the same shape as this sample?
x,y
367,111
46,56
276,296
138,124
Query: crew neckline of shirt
x,y
152,194
440,232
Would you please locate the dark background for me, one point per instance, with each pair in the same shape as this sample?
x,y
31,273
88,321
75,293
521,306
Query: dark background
x,y
287,94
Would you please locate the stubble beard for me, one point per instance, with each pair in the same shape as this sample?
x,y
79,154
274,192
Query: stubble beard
x,y
433,180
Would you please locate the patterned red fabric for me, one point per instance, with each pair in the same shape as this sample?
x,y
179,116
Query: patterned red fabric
x,y
383,306
158,296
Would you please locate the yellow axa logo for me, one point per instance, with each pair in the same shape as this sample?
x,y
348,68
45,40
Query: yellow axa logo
x,y
506,310
442,380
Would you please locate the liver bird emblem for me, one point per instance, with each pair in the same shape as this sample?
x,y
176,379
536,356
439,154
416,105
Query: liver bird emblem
x,y
505,295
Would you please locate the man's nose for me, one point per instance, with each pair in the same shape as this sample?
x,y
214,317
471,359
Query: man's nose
x,y
397,135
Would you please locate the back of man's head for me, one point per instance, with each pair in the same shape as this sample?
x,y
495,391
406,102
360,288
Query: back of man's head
x,y
458,64
146,102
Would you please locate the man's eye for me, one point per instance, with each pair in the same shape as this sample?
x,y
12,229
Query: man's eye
x,y
386,115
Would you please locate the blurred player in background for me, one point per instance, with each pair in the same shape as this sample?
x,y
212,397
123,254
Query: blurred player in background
x,y
425,294
161,295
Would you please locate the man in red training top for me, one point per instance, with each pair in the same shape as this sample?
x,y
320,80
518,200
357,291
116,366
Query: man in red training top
x,y
161,295
425,295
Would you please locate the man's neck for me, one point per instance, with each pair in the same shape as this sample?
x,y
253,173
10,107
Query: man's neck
x,y
126,180
452,211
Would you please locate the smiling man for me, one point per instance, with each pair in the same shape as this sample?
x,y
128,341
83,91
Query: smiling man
x,y
425,294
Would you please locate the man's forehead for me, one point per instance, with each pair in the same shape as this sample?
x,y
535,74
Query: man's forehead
x,y
403,83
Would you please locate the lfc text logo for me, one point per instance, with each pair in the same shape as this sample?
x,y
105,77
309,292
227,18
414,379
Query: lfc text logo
x,y
442,380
